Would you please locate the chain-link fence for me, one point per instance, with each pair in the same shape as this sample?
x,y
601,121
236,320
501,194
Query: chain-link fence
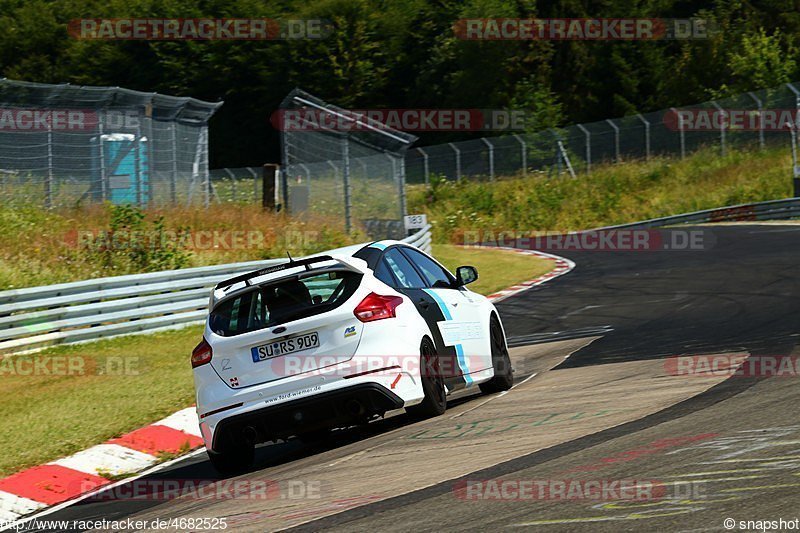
x,y
757,118
342,165
64,145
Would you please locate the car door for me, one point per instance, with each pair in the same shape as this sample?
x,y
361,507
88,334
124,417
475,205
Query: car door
x,y
464,327
395,269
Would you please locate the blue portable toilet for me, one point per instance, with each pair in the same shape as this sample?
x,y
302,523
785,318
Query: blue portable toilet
x,y
124,177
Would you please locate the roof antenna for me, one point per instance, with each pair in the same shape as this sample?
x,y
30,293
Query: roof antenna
x,y
290,256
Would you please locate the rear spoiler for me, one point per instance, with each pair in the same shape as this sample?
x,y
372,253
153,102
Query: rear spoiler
x,y
269,270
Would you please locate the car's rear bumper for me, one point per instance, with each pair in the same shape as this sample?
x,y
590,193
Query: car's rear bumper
x,y
335,408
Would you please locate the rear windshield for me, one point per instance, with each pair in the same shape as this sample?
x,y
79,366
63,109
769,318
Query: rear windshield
x,y
290,299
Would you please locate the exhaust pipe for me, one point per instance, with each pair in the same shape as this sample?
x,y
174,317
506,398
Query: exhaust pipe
x,y
250,434
354,407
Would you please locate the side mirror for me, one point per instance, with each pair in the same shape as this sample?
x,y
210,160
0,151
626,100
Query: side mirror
x,y
466,275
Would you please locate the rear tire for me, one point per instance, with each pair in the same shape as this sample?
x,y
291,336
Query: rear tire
x,y
435,401
503,373
237,459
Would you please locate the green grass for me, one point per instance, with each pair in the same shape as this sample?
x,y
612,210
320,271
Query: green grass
x,y
497,269
611,194
50,416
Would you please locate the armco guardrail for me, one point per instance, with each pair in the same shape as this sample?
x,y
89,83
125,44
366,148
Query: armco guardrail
x,y
770,210
37,317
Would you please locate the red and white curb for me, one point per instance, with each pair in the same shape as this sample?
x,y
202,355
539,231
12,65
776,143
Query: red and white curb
x,y
64,479
69,478
561,267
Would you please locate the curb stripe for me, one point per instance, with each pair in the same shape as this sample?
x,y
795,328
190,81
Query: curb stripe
x,y
50,484
13,506
107,458
157,439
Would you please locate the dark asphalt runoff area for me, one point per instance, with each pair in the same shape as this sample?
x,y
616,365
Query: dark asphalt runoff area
x,y
731,452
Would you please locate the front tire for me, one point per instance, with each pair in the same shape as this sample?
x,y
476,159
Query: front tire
x,y
435,400
503,373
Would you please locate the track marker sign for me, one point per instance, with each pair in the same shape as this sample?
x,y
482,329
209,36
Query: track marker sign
x,y
415,222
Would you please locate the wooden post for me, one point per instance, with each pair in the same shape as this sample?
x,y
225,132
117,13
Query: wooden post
x,y
268,195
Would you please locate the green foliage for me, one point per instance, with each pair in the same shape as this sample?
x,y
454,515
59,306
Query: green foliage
x,y
405,54
131,245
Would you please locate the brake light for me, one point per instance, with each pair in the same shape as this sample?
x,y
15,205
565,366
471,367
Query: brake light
x,y
377,307
201,354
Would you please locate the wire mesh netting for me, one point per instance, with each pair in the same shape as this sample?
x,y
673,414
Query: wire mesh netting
x,y
64,145
641,136
343,166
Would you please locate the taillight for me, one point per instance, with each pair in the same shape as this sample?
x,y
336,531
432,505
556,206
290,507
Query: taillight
x,y
377,307
201,354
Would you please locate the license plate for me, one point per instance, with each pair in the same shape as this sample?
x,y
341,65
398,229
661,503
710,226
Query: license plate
x,y
285,346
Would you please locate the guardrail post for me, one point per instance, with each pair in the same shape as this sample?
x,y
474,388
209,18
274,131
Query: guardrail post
x,y
680,131
458,160
646,136
491,157
524,154
723,115
616,139
425,168
588,148
760,107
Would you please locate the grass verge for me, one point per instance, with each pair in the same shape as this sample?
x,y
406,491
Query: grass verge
x,y
612,194
119,385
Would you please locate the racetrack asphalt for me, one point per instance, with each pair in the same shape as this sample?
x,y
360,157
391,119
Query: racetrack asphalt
x,y
733,443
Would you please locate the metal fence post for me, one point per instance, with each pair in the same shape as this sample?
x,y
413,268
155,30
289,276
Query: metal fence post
x,y
491,157
524,153
255,183
721,127
402,185
137,164
102,153
48,184
346,181
458,160
795,168
680,131
204,164
646,136
425,168
588,148
230,173
173,182
616,139
759,106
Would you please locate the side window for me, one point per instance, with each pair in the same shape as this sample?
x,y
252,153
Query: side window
x,y
435,275
402,272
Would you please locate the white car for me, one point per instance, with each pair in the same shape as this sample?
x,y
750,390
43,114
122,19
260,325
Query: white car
x,y
336,340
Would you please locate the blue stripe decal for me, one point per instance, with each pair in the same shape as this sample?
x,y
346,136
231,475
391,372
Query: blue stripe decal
x,y
378,245
462,362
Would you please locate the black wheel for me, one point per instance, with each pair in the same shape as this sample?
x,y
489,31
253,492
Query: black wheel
x,y
435,401
503,373
236,459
